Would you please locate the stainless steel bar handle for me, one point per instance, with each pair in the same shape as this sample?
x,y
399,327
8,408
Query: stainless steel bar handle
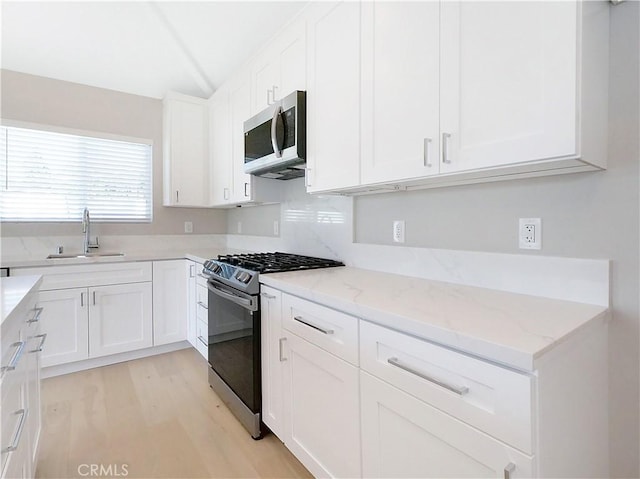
x,y
192,271
13,363
18,433
445,148
307,177
268,100
245,302
246,185
43,338
300,319
94,298
82,300
177,196
268,296
203,341
36,317
509,468
427,148
460,390
200,303
274,126
281,346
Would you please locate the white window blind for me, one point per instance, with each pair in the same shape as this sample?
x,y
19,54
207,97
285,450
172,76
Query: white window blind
x,y
49,176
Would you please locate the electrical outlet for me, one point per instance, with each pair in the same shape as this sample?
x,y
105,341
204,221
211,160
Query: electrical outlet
x,y
239,227
530,233
398,231
276,228
188,227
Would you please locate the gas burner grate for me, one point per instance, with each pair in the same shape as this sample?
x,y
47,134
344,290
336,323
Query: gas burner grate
x,y
277,262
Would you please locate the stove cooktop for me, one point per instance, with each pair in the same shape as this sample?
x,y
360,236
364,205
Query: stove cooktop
x,y
241,270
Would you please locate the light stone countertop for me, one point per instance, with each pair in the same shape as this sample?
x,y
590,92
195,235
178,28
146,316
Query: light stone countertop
x,y
13,292
507,328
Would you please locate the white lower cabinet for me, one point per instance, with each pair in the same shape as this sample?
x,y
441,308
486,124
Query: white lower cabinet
x,y
170,296
191,304
272,359
120,319
405,437
20,415
322,426
88,313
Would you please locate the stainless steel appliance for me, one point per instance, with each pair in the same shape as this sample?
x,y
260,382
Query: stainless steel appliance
x,y
234,327
275,139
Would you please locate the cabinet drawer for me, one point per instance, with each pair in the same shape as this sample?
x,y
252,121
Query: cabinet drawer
x,y
202,296
494,399
202,335
84,275
327,328
201,280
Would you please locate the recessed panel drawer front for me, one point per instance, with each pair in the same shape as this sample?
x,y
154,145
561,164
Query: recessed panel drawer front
x,y
202,296
202,335
327,328
80,276
496,400
201,280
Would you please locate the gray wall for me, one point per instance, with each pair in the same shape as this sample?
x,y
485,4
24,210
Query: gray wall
x,y
589,215
46,101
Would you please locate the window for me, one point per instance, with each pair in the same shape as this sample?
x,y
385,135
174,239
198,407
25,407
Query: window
x,y
50,176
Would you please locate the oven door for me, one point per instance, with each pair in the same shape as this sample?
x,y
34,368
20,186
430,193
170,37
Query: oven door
x,y
234,341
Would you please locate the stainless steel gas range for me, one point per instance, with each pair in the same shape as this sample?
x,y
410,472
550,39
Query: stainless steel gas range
x,y
234,326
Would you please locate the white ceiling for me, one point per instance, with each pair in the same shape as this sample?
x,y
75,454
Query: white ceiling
x,y
144,48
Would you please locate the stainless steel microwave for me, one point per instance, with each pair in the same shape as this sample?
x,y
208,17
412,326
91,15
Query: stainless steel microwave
x,y
275,139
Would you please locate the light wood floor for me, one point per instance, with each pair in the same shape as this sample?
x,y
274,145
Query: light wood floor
x,y
159,417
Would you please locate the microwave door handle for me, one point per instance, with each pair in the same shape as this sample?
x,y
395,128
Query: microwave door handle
x,y
274,138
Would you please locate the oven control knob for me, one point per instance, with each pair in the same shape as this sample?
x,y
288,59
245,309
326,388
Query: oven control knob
x,y
216,268
243,277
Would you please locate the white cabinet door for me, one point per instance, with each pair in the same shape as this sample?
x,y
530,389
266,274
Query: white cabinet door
x,y
170,295
220,148
508,82
185,151
240,111
192,304
120,318
405,437
272,358
400,90
333,97
65,319
322,415
266,79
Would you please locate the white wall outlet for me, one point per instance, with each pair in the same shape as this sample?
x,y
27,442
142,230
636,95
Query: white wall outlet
x,y
398,231
239,227
276,228
188,227
530,233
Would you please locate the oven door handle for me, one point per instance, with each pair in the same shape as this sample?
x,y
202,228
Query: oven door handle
x,y
247,303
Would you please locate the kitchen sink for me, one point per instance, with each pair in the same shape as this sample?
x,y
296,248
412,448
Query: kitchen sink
x,y
82,255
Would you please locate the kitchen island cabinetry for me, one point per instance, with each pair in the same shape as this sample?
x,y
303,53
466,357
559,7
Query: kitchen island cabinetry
x,y
21,343
185,148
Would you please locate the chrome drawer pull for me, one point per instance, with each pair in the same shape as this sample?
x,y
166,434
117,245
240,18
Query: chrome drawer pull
x,y
300,319
36,318
461,390
200,303
268,296
43,338
16,357
18,434
203,341
445,148
508,470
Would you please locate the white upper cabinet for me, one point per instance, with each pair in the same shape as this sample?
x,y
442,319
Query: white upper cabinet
x,y
280,68
239,112
220,148
185,157
333,99
508,83
400,90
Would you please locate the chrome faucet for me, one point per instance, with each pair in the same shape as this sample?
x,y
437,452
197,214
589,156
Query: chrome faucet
x,y
86,229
